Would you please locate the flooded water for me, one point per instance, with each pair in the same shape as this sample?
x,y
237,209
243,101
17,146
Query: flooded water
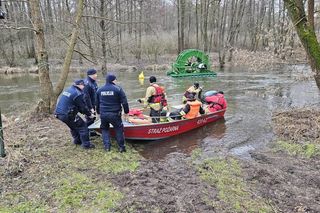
x,y
251,99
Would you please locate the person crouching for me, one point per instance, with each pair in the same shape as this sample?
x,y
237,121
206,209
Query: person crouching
x,y
69,104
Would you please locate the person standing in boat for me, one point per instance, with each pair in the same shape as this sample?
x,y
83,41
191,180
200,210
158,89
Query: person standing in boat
x,y
69,104
110,100
90,90
155,98
195,90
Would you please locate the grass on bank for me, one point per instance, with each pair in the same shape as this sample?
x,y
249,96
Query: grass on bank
x,y
233,193
69,179
75,192
80,192
306,149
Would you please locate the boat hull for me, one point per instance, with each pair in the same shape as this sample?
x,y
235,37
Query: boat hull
x,y
158,131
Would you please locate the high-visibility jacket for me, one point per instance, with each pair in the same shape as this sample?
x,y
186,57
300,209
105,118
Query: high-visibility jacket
x,y
159,97
194,109
192,90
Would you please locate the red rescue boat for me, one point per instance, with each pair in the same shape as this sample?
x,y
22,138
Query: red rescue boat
x,y
156,131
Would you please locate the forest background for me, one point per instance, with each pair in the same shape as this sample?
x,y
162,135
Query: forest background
x,y
123,31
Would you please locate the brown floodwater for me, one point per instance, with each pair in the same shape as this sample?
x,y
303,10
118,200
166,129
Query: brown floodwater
x,y
251,96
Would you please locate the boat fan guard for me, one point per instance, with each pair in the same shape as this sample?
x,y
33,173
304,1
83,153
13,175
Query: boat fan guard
x,y
191,62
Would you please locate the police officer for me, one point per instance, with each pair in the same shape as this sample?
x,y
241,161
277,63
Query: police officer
x,y
110,100
90,90
70,103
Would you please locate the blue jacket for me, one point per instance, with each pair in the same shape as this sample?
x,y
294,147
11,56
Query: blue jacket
x,y
110,97
89,91
71,102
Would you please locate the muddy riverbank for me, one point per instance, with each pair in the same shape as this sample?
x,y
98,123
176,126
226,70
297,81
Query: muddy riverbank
x,y
254,61
40,159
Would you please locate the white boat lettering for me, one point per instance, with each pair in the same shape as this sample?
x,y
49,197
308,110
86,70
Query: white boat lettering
x,y
163,130
202,121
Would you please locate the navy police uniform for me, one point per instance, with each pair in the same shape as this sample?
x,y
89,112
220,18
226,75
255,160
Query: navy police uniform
x,y
110,100
90,90
70,103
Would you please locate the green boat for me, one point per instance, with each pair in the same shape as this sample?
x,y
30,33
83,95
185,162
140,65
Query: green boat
x,y
191,62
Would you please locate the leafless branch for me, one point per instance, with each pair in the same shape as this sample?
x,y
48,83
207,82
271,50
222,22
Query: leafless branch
x,y
4,26
85,56
116,21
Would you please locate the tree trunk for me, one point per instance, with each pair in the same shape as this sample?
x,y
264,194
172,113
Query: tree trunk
x,y
197,25
46,90
139,41
311,13
69,54
306,34
181,17
182,25
204,29
103,37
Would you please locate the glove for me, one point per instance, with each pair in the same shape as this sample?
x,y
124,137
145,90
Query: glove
x,y
139,100
126,117
92,116
93,111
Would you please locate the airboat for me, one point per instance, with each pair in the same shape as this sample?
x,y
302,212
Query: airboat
x,y
191,62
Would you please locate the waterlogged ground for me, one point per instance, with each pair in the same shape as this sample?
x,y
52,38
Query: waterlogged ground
x,y
256,160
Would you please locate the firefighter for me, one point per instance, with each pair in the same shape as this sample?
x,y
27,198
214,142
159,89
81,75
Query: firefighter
x,y
195,90
155,98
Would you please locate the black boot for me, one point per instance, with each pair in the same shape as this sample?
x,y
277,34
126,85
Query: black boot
x,y
93,134
123,149
90,146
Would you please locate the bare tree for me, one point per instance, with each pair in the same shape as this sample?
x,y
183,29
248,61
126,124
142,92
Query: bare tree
x,y
306,34
311,13
48,96
67,60
46,89
181,23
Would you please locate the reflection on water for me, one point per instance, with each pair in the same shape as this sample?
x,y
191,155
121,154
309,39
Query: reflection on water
x,y
184,143
141,81
251,96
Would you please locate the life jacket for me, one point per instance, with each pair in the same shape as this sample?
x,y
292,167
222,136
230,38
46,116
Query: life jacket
x,y
194,109
136,112
216,102
159,97
136,117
